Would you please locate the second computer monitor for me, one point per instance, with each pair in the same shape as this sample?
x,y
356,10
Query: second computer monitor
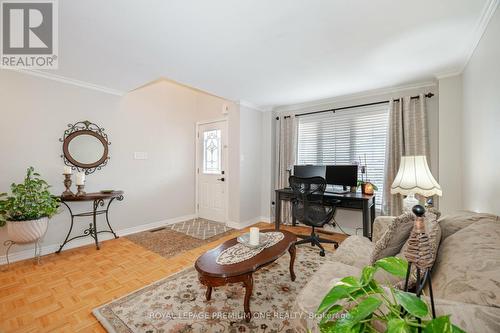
x,y
344,175
307,171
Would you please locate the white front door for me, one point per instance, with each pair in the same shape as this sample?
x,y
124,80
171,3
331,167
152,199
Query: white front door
x,y
211,169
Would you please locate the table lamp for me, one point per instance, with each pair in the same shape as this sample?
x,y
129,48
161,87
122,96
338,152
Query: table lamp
x,y
414,177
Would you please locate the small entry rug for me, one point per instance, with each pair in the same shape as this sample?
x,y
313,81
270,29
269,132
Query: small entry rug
x,y
199,228
177,303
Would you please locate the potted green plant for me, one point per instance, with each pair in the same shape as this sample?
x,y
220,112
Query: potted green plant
x,y
358,305
27,210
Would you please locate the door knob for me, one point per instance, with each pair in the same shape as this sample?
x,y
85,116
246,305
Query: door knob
x,y
221,179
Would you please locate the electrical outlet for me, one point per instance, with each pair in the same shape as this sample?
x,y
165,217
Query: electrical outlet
x,y
140,155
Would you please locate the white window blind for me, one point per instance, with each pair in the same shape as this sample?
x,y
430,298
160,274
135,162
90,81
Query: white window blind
x,y
344,137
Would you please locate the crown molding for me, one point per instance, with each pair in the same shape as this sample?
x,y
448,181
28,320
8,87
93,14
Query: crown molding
x,y
481,26
66,80
253,106
350,97
450,73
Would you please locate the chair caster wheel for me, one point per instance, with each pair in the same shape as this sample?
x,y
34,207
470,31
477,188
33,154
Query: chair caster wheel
x,y
336,246
322,253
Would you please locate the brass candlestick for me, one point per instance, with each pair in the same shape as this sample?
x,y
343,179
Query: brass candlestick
x,y
80,191
67,184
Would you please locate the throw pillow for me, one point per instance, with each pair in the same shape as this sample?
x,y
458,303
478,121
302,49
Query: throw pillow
x,y
394,237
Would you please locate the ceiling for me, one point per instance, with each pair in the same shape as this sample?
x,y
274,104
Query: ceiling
x,y
266,52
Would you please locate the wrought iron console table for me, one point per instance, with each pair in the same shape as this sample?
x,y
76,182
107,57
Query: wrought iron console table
x,y
98,200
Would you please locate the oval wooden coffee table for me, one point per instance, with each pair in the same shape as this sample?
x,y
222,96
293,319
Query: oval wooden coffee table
x,y
212,274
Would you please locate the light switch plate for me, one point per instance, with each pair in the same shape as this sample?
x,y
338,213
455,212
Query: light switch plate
x,y
140,155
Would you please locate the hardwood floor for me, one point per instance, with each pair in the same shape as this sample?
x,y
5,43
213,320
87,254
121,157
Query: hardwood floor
x,y
59,294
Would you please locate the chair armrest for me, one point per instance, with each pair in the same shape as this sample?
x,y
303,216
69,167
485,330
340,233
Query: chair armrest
x,y
380,226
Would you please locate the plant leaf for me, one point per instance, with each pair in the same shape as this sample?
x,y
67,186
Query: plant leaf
x,y
438,325
361,311
441,325
328,315
397,325
351,281
393,265
367,275
411,303
339,291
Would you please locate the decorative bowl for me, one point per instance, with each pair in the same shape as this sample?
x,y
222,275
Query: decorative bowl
x,y
245,240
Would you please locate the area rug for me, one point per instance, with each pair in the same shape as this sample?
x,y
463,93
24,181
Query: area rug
x,y
177,304
199,228
169,243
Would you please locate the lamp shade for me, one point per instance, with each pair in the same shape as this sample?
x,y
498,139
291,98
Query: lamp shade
x,y
414,177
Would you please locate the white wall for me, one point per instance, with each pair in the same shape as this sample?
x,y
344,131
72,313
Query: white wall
x,y
481,123
158,119
351,220
267,184
450,143
250,164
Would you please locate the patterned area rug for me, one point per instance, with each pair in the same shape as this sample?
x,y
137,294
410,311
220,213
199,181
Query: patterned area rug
x,y
177,303
200,228
169,243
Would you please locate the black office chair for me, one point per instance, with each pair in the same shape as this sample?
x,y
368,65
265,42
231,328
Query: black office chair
x,y
309,208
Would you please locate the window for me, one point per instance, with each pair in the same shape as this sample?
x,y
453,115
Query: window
x,y
212,151
346,137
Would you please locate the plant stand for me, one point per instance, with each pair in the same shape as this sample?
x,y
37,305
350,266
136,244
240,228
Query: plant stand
x,y
38,250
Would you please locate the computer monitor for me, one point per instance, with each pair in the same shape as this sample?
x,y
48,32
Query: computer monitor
x,y
344,175
307,171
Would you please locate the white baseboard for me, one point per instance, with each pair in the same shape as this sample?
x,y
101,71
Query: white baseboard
x,y
52,248
245,224
154,225
266,219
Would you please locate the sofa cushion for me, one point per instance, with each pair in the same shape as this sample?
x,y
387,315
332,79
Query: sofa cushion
x,y
467,268
450,224
310,297
354,251
394,237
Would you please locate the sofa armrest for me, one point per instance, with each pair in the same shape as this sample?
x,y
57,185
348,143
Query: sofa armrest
x,y
380,226
470,317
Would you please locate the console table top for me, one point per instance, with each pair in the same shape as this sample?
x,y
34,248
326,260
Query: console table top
x,y
92,196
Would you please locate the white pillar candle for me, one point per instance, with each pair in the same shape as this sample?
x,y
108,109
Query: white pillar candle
x,y
67,170
254,236
80,178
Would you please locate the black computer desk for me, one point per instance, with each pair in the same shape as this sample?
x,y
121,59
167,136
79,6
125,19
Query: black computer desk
x,y
355,201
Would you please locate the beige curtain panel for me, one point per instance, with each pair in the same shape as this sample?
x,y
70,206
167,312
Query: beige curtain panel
x,y
407,136
286,141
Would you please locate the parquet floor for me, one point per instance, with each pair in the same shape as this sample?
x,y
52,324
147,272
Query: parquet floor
x,y
59,294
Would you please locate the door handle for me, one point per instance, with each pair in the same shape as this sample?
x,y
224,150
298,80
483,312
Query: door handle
x,y
221,179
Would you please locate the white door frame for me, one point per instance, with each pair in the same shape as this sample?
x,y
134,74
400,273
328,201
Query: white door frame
x,y
226,171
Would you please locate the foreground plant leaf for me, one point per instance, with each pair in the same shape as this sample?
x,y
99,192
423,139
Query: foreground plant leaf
x,y
341,290
367,275
393,265
397,325
364,309
442,325
327,316
411,303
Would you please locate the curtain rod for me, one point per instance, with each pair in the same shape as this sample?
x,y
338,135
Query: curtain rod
x,y
428,95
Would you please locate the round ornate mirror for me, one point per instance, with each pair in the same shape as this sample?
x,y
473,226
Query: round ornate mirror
x,y
85,147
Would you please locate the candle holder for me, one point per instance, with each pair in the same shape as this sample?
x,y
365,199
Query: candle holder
x,y
80,191
67,184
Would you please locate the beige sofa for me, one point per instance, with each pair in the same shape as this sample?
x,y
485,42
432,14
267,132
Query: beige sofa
x,y
465,279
